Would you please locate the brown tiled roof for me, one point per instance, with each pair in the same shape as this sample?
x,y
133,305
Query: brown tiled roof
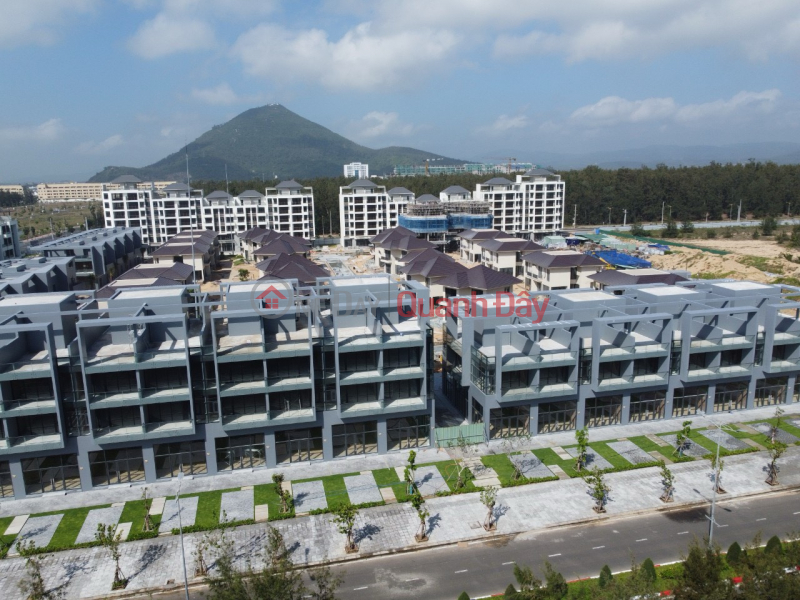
x,y
282,245
621,277
562,259
479,277
292,266
510,245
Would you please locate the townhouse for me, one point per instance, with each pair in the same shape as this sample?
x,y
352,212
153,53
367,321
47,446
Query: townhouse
x,y
559,270
504,254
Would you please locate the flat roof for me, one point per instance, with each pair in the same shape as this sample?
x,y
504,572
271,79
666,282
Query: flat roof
x,y
646,271
589,296
28,299
351,281
668,290
261,286
743,285
127,294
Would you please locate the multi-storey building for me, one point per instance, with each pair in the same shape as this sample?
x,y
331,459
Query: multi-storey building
x,y
57,192
357,170
229,215
560,270
9,238
37,275
362,212
160,381
13,189
291,209
623,355
100,254
198,249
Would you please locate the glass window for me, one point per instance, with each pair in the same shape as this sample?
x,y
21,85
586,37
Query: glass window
x,y
557,416
77,417
408,432
648,406
689,401
58,473
610,370
6,488
770,391
514,380
730,396
586,366
355,394
405,388
109,467
554,376
283,402
355,438
675,357
298,445
240,452
186,457
477,412
509,422
603,411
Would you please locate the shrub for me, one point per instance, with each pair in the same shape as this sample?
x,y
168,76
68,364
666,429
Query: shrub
x,y
774,545
605,576
734,554
463,596
510,592
756,235
711,234
649,570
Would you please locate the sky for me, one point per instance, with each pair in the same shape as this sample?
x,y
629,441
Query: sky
x,y
91,83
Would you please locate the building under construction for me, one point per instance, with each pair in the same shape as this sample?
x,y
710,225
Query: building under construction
x,y
440,222
470,168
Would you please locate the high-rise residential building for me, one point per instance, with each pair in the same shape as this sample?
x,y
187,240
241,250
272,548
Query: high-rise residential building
x,y
288,207
13,189
356,170
9,242
59,192
362,212
160,381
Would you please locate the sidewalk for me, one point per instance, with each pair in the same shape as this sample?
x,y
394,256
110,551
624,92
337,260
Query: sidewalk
x,y
123,493
154,563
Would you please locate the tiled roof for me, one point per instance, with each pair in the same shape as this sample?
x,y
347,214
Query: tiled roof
x,y
479,277
292,266
621,277
562,259
481,234
510,245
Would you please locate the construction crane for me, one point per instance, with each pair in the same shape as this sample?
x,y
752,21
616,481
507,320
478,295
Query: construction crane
x,y
509,160
428,162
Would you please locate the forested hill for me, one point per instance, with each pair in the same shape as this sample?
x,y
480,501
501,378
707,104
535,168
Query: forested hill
x,y
692,192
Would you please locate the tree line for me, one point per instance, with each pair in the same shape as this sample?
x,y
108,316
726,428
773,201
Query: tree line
x,y
685,193
12,199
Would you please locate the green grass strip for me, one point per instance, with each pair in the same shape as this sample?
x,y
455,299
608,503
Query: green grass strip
x,y
335,489
70,526
604,450
388,478
502,465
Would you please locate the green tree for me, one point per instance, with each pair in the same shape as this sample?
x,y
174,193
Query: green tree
x,y
711,234
582,439
637,230
325,584
418,502
727,232
670,229
776,450
110,540
488,499
774,545
244,274
687,227
701,576
768,574
555,584
756,235
717,464
649,570
598,489
510,592
344,517
667,483
463,596
768,225
775,426
283,494
682,438
606,577
734,554
32,583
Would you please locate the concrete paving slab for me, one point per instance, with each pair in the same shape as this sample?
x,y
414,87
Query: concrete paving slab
x,y
39,530
308,496
244,488
362,489
689,449
388,496
530,465
795,422
656,440
658,456
16,525
593,459
726,440
630,452
115,504
123,530
169,519
782,436
558,472
236,506
746,428
429,481
562,454
98,516
157,506
262,513
754,444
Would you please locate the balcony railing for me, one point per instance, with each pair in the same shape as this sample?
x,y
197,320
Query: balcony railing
x,y
29,407
720,371
29,443
556,359
152,429
785,364
550,390
726,343
25,369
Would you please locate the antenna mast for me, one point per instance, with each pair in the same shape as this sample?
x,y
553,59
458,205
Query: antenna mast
x,y
192,213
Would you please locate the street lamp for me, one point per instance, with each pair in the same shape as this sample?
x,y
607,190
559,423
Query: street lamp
x,y
712,522
180,531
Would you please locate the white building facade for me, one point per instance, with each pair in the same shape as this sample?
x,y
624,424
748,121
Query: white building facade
x,y
356,170
290,207
362,212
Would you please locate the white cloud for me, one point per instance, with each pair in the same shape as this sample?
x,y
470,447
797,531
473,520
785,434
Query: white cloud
x,y
361,60
219,95
46,132
107,144
380,124
505,123
165,35
39,22
613,110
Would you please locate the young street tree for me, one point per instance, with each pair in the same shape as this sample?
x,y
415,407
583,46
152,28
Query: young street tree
x,y
325,584
344,516
667,483
598,489
418,502
489,499
466,450
409,473
148,502
775,426
717,464
682,438
512,445
283,494
32,584
244,274
110,540
776,450
582,439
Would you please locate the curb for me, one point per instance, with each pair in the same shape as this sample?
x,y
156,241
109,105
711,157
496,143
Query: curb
x,y
195,584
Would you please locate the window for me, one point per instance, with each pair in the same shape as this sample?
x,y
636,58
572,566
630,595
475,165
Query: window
x,y
610,370
403,389
408,432
675,357
298,445
477,412
731,396
482,371
357,362
77,418
6,488
509,422
186,457
514,380
51,474
689,401
553,376
282,402
357,394
557,416
698,361
730,358
603,411
110,467
645,366
586,366
770,392
240,452
355,438
759,357
648,406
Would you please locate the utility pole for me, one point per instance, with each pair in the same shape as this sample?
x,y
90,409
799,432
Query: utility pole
x,y
191,217
739,216
624,217
574,216
609,215
662,212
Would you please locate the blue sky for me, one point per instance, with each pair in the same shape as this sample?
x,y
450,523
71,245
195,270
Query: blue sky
x,y
91,83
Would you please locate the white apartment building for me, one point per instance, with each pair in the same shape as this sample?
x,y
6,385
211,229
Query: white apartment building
x,y
531,205
455,193
59,192
13,189
362,212
356,170
399,198
229,215
290,207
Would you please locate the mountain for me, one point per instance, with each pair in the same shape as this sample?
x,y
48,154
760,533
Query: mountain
x,y
672,156
271,140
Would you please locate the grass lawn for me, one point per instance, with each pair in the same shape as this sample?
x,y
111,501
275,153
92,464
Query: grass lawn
x,y
133,513
698,438
70,526
388,478
650,446
603,449
502,465
335,490
208,505
786,426
549,457
449,470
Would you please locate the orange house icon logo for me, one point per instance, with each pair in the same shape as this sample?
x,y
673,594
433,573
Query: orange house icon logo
x,y
271,303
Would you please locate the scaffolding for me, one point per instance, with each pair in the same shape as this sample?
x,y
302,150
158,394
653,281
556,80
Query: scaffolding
x,y
441,217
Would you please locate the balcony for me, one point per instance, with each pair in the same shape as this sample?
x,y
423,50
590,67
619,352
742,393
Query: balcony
x,y
297,415
782,365
28,368
650,379
732,342
128,433
294,381
532,392
242,387
719,372
378,407
31,443
22,408
234,348
786,337
114,399
170,393
614,383
109,358
520,362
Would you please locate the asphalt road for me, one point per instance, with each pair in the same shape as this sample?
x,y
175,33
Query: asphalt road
x,y
483,568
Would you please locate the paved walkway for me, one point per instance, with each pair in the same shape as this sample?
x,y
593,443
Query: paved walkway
x,y
48,503
88,573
